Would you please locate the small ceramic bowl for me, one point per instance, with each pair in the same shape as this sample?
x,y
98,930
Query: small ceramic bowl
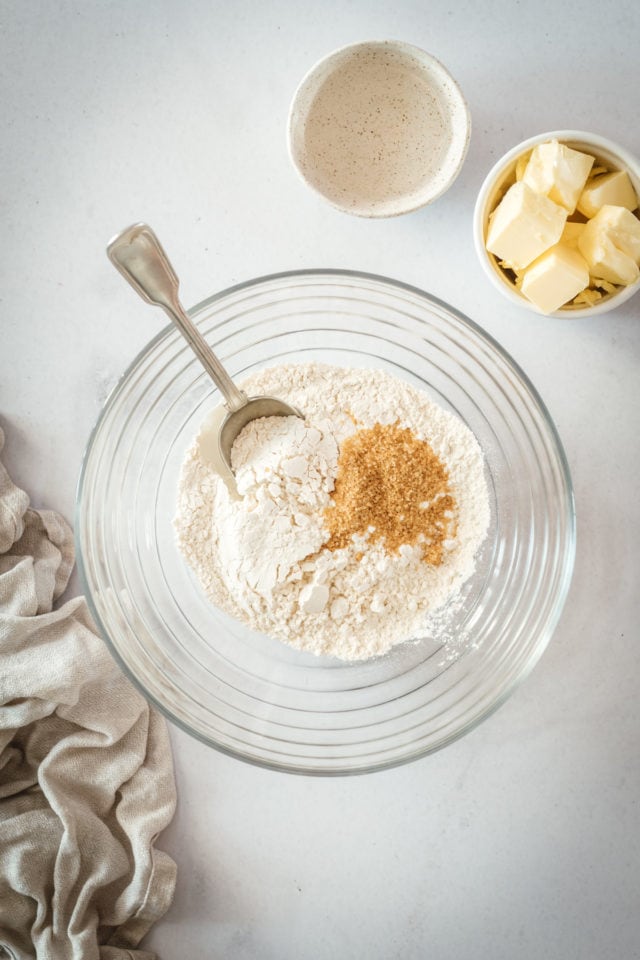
x,y
502,175
378,128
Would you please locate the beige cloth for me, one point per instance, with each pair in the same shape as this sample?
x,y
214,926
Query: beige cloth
x,y
86,777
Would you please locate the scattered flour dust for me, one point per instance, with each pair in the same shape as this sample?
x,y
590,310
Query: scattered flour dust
x,y
261,558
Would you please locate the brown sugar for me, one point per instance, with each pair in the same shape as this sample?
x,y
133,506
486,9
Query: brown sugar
x,y
390,480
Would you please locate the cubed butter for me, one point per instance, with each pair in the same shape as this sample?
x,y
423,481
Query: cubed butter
x,y
571,234
555,278
611,188
603,256
524,225
521,164
588,297
558,172
622,228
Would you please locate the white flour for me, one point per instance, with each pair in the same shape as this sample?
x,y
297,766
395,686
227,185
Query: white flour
x,y
284,469
261,558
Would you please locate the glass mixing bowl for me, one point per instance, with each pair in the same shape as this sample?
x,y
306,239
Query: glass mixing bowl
x,y
257,698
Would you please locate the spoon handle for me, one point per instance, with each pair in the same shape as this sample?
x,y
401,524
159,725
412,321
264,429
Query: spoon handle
x,y
138,255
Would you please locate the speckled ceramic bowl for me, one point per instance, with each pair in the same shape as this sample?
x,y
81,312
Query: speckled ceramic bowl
x,y
378,128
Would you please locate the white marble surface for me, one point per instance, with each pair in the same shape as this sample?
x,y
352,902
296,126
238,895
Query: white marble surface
x,y
522,839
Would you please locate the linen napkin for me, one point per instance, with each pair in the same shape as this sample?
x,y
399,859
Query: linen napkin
x,y
86,775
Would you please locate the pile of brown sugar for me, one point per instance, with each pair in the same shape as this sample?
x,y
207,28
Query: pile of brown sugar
x,y
392,481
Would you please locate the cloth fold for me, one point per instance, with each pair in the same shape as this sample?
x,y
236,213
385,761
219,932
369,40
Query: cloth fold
x,y
86,775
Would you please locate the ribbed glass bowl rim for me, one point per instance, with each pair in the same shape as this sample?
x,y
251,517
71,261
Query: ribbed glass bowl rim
x,y
563,588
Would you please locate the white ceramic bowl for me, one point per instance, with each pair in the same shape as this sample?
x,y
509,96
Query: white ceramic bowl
x,y
378,128
614,156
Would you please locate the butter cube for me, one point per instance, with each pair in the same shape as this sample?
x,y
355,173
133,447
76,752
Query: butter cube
x,y
558,172
524,225
603,256
555,278
611,188
622,228
571,234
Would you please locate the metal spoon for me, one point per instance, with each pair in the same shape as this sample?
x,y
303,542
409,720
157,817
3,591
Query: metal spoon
x,y
140,258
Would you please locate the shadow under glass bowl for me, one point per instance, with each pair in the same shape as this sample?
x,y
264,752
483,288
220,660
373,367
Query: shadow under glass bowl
x,y
256,698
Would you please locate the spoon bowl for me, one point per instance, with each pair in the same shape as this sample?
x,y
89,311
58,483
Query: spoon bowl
x,y
254,409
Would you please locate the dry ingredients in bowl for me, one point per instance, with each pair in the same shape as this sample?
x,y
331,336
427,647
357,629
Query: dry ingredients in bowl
x,y
352,525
